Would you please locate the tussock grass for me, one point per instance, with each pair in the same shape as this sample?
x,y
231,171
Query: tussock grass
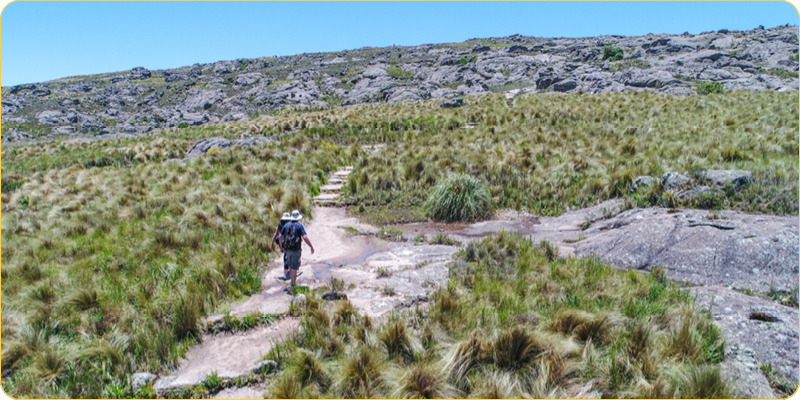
x,y
459,198
361,374
507,334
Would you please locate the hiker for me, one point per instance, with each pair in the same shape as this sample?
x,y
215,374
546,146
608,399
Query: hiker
x,y
276,237
290,243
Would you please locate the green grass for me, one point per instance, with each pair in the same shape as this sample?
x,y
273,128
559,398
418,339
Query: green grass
x,y
780,72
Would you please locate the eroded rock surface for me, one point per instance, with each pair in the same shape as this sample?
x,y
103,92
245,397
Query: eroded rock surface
x,y
740,250
758,332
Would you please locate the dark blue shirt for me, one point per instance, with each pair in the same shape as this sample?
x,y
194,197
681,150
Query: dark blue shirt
x,y
285,230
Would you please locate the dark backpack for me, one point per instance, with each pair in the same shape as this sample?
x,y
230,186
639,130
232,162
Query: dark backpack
x,y
292,235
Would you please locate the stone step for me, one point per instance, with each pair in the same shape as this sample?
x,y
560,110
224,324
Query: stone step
x,y
327,196
331,188
336,181
342,174
329,203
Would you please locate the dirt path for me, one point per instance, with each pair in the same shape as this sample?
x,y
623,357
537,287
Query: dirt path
x,y
380,276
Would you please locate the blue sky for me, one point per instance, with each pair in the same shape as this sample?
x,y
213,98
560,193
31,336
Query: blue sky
x,y
41,41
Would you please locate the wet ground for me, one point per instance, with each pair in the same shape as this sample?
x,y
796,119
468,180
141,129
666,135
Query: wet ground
x,y
380,276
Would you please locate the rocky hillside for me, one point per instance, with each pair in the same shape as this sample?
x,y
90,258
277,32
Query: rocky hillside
x,y
140,100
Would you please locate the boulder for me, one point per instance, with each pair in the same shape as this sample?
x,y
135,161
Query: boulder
x,y
50,117
64,130
141,379
672,181
518,49
140,73
565,86
240,116
725,177
334,295
403,95
203,99
177,77
248,79
203,146
265,366
642,182
455,103
16,137
645,78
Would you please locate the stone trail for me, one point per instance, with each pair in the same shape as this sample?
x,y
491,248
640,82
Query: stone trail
x,y
330,192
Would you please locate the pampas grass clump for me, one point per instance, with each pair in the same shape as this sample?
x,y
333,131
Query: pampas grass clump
x,y
459,198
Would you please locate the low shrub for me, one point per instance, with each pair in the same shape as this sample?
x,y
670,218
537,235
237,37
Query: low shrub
x,y
398,73
710,87
612,53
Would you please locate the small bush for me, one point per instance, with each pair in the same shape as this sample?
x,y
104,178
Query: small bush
x,y
398,73
213,382
612,53
443,239
10,186
459,198
710,87
707,201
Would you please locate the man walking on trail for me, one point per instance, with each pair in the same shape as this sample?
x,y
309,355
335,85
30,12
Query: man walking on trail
x,y
291,235
276,238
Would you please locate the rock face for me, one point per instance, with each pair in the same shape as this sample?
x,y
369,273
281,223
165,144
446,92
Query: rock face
x,y
204,146
744,251
761,332
139,101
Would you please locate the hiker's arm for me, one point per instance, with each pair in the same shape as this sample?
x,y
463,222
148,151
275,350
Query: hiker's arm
x,y
308,242
276,235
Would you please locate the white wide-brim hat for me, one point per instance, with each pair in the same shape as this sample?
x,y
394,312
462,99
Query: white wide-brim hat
x,y
286,217
296,216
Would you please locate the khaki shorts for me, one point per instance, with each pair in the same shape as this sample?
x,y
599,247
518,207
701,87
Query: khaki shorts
x,y
292,259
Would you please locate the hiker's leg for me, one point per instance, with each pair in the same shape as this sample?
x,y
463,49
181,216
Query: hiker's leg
x,y
294,265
